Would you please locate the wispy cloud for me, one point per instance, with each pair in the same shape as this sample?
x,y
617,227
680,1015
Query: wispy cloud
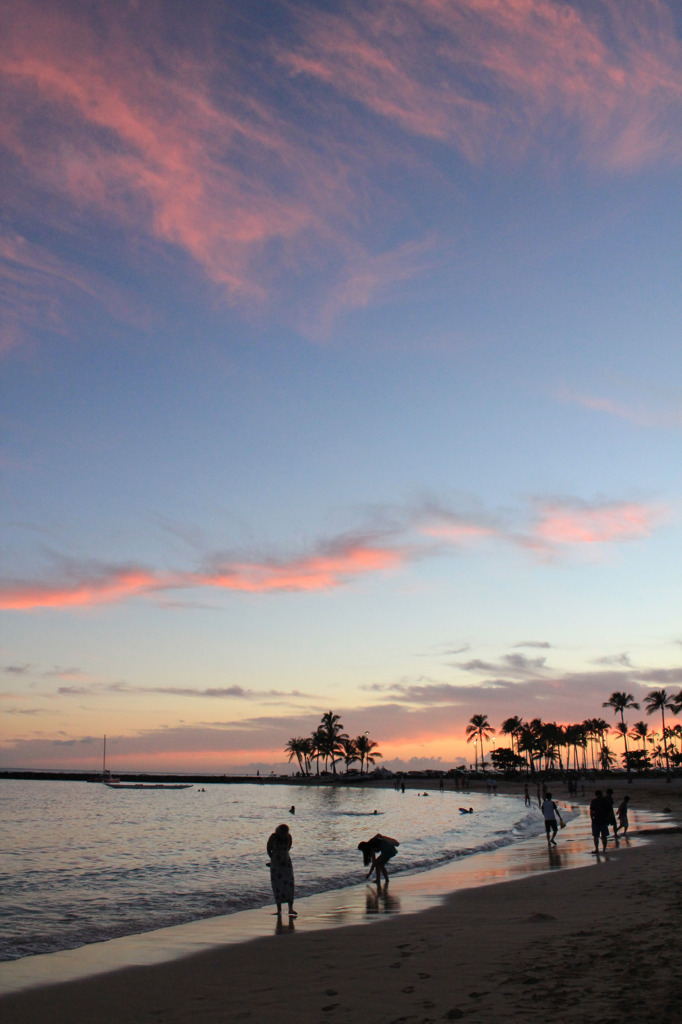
x,y
577,522
502,80
666,413
260,178
211,692
139,127
38,288
547,528
331,565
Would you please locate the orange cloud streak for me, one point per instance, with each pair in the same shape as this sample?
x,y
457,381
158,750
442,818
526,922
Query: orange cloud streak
x,y
324,571
319,572
117,586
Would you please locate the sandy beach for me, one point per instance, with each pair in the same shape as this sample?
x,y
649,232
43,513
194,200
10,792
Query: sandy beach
x,y
598,943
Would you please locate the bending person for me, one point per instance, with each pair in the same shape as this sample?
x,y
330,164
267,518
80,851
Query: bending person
x,y
377,851
281,868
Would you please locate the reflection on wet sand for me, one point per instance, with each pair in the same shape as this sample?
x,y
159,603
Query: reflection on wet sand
x,y
381,899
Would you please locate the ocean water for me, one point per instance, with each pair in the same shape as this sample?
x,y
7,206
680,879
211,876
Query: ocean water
x,y
81,863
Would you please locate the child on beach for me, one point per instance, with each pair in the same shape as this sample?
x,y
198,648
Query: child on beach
x,y
385,848
623,822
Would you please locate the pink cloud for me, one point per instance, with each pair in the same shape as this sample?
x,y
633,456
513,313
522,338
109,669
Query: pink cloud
x,y
135,131
332,566
116,585
597,524
347,558
316,572
460,533
496,79
186,145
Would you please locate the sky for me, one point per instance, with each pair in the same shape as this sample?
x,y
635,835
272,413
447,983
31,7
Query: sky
x,y
340,359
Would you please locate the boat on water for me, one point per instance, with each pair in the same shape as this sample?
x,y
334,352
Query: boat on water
x,y
111,782
114,784
106,777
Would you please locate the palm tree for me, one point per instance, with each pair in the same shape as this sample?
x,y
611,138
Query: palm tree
x,y
366,749
479,728
576,736
552,736
659,700
330,737
640,731
317,748
525,743
296,747
621,729
620,702
350,753
597,729
512,727
606,759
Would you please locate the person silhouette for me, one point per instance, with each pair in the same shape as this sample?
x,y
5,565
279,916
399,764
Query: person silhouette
x,y
281,868
550,811
377,851
623,823
600,812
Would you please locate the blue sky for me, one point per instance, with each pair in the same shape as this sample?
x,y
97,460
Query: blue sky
x,y
341,367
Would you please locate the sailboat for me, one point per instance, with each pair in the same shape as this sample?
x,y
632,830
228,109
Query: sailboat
x,y
106,777
113,783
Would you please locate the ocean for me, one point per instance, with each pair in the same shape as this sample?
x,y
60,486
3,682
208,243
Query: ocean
x,y
81,863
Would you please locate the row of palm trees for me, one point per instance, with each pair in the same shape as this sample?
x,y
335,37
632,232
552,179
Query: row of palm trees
x,y
538,744
330,744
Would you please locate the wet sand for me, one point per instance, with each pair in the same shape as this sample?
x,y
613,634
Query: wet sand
x,y
589,944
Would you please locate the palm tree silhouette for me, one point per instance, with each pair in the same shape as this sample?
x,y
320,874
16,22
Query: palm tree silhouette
x,y
330,736
366,749
296,747
659,700
512,727
620,701
350,753
479,728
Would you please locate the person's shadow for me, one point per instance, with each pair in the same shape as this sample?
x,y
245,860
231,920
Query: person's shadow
x,y
282,929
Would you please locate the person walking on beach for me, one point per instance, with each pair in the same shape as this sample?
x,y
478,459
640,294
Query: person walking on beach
x,y
377,851
623,823
550,812
600,812
281,868
526,795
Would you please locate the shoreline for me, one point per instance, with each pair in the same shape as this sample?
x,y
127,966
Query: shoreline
x,y
320,945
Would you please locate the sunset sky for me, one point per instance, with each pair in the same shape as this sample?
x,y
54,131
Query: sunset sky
x,y
341,368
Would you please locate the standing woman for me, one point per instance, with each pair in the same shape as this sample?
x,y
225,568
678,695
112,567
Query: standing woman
x,y
281,868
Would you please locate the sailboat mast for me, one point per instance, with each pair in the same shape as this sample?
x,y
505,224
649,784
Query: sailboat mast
x,y
104,757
